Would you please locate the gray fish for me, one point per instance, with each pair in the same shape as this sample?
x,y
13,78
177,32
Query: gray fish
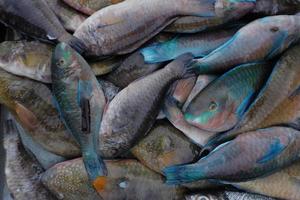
x,y
22,172
131,114
109,89
35,19
2,156
226,195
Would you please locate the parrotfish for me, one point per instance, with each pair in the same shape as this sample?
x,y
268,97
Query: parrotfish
x,y
31,103
70,18
124,27
172,109
35,19
264,38
22,172
227,10
199,45
226,195
277,103
133,111
127,179
81,101
222,103
241,159
165,145
33,60
283,184
88,7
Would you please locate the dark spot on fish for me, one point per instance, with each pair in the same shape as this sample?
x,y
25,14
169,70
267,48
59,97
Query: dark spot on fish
x,y
85,116
274,29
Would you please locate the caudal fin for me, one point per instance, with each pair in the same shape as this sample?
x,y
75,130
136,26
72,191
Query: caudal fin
x,y
201,8
178,174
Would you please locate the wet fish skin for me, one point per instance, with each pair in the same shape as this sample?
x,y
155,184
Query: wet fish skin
x,y
131,114
81,101
275,7
89,7
70,18
22,172
264,38
199,45
125,26
283,184
31,104
127,179
221,105
226,195
278,101
109,89
36,19
33,59
240,159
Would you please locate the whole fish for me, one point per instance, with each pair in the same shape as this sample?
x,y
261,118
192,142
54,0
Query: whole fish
x,y
222,103
81,102
199,45
45,158
124,27
282,184
131,114
31,103
277,103
164,146
22,172
35,19
127,179
264,38
241,159
70,18
88,7
226,195
131,69
33,60
172,109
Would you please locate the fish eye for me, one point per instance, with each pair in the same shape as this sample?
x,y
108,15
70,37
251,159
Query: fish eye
x,y
274,29
213,106
60,62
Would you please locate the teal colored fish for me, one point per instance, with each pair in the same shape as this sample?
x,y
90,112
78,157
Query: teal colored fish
x,y
250,155
199,45
263,39
220,105
81,101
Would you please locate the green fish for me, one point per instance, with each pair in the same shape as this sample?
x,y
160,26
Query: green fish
x,y
127,179
81,101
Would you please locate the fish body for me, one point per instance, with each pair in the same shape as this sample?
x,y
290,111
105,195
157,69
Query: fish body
x,y
69,18
31,103
109,89
199,45
283,184
33,60
275,7
220,105
35,19
127,179
278,101
124,27
89,7
240,159
226,195
81,101
265,38
133,111
22,172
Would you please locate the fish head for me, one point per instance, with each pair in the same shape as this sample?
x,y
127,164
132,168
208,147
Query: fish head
x,y
225,8
64,62
212,111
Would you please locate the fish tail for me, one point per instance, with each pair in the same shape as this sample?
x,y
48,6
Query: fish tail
x,y
178,174
201,8
75,43
159,52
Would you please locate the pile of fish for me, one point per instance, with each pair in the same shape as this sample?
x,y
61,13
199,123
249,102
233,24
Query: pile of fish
x,y
150,99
